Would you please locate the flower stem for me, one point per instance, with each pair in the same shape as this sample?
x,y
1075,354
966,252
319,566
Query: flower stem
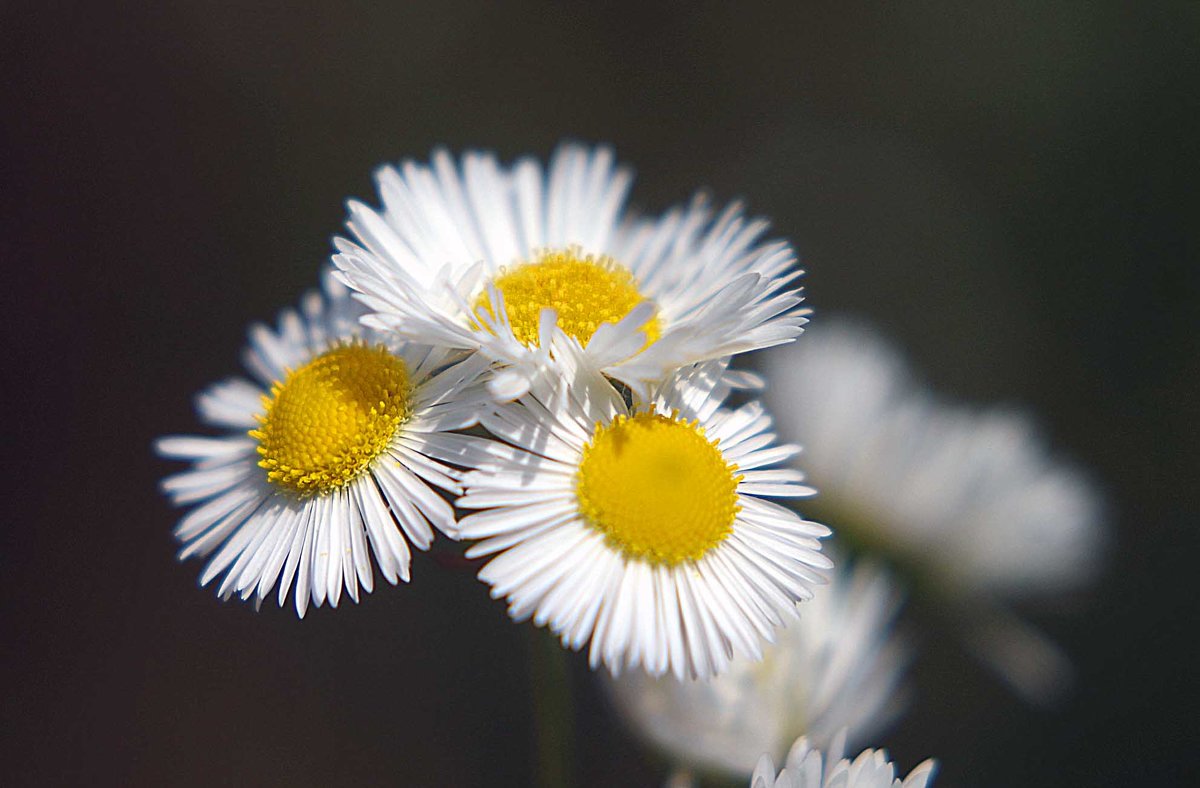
x,y
554,714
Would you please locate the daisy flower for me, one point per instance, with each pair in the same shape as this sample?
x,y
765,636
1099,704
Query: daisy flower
x,y
331,455
971,500
641,528
468,255
839,666
807,768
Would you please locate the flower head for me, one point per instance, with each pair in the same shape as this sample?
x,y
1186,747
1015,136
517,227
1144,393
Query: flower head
x,y
839,666
973,497
331,455
808,768
474,255
971,501
640,528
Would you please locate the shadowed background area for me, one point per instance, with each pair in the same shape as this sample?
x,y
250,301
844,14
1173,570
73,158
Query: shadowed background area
x,y
1009,192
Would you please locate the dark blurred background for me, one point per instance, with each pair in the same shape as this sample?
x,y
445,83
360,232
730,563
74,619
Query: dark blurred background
x,y
1009,191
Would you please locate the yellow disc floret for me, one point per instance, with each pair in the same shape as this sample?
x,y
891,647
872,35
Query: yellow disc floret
x,y
585,292
332,417
657,488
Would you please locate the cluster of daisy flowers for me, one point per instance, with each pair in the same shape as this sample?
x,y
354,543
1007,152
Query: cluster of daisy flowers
x,y
509,356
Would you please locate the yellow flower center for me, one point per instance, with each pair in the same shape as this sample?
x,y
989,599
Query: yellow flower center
x,y
584,291
332,417
658,488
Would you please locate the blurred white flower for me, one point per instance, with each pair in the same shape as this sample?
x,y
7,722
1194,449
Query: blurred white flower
x,y
969,499
807,768
839,666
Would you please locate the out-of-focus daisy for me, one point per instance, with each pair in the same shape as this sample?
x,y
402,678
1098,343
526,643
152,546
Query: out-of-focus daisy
x,y
332,454
641,528
839,666
970,500
808,768
468,254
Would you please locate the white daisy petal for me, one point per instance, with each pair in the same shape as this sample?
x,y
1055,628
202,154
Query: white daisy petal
x,y
267,570
359,555
270,549
507,539
233,547
304,589
207,541
198,485
231,403
324,559
375,513
215,510
202,449
291,558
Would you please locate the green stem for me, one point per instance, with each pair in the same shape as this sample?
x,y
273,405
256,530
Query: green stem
x,y
553,711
